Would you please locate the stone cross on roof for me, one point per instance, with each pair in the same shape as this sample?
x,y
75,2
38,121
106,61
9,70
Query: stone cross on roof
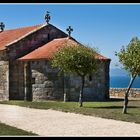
x,y
47,17
2,26
69,30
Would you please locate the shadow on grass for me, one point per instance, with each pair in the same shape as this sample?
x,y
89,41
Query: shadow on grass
x,y
115,100
112,107
108,100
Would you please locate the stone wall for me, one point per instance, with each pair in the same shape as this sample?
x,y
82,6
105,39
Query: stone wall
x,y
106,78
16,80
94,90
3,55
4,80
119,92
46,83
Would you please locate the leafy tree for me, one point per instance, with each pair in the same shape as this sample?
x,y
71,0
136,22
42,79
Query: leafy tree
x,y
76,59
129,57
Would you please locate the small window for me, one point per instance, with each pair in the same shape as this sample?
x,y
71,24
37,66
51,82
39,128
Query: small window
x,y
90,78
46,62
48,37
33,80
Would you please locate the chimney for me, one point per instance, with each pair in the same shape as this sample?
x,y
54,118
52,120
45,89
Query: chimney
x,y
2,26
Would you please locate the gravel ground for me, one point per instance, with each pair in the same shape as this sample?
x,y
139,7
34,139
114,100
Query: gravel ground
x,y
57,123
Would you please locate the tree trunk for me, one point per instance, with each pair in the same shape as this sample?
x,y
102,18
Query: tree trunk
x,y
126,95
64,93
81,91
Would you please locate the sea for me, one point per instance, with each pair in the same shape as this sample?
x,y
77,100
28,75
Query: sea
x,y
123,81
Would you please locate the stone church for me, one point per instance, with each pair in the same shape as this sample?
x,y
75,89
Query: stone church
x,y
26,72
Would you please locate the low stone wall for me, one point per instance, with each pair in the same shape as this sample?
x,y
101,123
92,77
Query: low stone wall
x,y
119,92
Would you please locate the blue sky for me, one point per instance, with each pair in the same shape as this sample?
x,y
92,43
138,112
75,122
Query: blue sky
x,y
105,26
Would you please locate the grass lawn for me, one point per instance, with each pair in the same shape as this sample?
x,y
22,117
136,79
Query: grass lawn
x,y
110,109
9,130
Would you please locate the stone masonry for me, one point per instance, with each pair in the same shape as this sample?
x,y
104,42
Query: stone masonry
x,y
4,81
120,92
48,84
16,69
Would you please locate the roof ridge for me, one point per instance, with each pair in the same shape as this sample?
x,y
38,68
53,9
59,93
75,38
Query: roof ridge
x,y
22,27
71,38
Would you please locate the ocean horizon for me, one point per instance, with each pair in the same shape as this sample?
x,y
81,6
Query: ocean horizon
x,y
123,81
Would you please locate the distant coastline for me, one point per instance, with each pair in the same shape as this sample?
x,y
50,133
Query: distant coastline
x,y
119,78
123,81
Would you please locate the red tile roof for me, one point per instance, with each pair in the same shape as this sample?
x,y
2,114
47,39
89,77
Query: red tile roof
x,y
46,51
101,57
9,36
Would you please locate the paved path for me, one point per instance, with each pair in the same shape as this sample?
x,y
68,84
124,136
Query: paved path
x,y
56,123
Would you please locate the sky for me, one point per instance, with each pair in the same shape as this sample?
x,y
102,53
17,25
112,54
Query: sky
x,y
107,27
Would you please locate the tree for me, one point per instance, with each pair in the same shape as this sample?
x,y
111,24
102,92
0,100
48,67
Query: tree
x,y
76,59
129,57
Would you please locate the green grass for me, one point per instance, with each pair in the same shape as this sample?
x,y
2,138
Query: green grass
x,y
110,109
9,130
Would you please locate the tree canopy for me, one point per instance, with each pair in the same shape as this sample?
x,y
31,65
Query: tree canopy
x,y
129,57
76,59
